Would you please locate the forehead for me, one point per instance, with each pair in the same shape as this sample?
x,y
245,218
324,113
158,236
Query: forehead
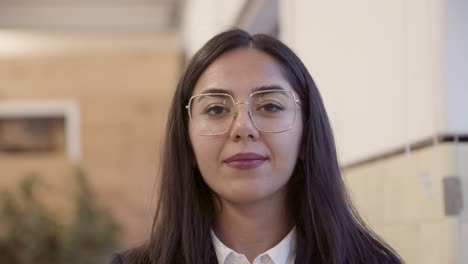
x,y
240,71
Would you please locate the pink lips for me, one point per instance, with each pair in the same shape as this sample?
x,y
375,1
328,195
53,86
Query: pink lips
x,y
245,161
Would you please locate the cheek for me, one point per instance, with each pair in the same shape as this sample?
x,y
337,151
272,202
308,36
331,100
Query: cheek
x,y
206,151
287,145
286,153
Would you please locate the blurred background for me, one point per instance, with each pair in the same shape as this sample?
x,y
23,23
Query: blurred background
x,y
85,88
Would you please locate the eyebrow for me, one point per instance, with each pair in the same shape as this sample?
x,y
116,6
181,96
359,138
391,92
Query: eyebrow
x,y
217,90
268,87
256,89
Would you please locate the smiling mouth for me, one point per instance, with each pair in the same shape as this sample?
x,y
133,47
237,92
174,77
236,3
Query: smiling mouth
x,y
245,161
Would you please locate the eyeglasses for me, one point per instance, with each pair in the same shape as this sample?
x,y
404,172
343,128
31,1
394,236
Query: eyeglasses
x,y
271,111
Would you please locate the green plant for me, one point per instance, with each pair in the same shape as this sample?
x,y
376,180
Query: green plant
x,y
29,233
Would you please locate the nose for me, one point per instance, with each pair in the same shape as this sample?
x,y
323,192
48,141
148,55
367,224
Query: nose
x,y
243,126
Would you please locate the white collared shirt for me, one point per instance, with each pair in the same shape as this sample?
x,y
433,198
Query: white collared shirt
x,y
283,253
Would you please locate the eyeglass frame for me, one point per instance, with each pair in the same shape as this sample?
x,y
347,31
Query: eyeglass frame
x,y
296,101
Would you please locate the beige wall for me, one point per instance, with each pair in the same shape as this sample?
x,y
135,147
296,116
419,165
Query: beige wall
x,y
378,65
402,199
122,85
461,164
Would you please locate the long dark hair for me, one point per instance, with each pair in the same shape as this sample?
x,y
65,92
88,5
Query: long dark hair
x,y
328,228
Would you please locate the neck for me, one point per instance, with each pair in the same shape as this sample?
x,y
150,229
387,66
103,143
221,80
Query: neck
x,y
254,228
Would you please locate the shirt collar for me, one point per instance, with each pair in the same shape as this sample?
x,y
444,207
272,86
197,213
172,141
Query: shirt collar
x,y
285,250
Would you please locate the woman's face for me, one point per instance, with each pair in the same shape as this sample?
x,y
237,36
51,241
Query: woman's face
x,y
245,165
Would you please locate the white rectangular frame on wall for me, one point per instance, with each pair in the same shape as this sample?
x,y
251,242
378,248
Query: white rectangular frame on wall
x,y
68,109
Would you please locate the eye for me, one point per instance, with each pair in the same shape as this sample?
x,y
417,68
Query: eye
x,y
270,107
215,110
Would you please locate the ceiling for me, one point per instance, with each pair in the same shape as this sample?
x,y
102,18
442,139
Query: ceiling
x,y
90,15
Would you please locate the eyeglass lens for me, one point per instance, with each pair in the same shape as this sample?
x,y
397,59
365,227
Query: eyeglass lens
x,y
270,111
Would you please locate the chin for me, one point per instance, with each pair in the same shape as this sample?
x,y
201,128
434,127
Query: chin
x,y
247,195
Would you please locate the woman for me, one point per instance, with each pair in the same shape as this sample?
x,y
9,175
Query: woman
x,y
250,171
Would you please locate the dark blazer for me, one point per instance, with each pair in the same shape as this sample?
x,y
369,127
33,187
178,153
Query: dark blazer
x,y
116,258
